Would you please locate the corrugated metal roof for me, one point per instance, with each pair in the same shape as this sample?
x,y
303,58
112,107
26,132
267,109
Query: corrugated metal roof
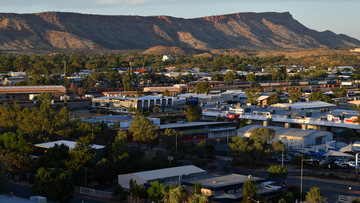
x,y
70,144
292,132
169,172
299,105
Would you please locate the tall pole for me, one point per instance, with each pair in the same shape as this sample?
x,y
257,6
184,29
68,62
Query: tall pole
x,y
282,159
302,160
85,178
92,133
227,152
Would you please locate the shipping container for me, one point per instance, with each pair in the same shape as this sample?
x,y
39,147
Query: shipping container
x,y
294,83
313,86
275,84
331,82
265,84
314,82
304,83
347,83
322,82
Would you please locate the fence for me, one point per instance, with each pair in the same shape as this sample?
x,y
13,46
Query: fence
x,y
93,192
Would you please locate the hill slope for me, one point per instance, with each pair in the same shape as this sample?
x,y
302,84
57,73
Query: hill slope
x,y
55,30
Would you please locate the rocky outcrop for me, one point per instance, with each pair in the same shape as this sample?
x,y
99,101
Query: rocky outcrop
x,y
56,31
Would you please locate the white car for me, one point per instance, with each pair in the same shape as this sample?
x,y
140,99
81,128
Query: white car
x,y
352,163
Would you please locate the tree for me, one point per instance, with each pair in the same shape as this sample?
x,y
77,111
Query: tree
x,y
197,188
139,93
295,95
249,191
203,87
43,98
143,130
73,88
279,91
155,109
169,138
347,134
220,118
167,93
229,76
81,91
65,101
273,98
80,154
251,78
315,195
3,177
278,172
176,194
339,92
193,113
54,158
252,95
135,190
54,184
156,191
319,96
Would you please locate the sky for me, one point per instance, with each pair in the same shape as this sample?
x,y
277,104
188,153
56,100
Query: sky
x,y
339,16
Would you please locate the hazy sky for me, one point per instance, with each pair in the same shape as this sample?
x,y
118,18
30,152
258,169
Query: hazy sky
x,y
339,16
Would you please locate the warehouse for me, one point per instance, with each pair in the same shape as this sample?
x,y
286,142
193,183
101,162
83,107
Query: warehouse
x,y
165,176
21,93
293,138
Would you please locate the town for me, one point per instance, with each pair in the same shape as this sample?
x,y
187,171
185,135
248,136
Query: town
x,y
179,128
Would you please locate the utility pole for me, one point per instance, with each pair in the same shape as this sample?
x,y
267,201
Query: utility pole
x,y
302,165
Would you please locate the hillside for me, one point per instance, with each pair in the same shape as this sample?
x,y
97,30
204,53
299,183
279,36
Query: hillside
x,y
54,31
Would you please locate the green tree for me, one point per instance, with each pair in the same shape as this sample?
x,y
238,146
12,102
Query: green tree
x,y
80,154
3,177
169,138
176,194
43,98
156,191
65,101
252,95
167,93
203,87
295,95
139,93
193,113
144,130
197,188
315,195
54,158
155,109
279,91
229,76
251,78
339,92
278,172
319,96
198,198
273,98
249,191
135,190
220,118
347,134
54,184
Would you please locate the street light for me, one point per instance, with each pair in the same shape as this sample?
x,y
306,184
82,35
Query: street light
x,y
349,192
302,165
253,200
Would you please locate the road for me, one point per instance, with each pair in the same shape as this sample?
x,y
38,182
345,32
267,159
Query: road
x,y
24,191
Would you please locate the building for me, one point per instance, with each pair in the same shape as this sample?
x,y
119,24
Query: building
x,y
21,93
167,57
293,138
123,120
13,199
146,103
202,130
228,188
306,105
99,149
166,176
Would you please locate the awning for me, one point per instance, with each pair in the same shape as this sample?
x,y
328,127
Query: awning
x,y
228,196
264,184
274,187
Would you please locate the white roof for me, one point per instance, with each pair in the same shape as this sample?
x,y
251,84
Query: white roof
x,y
169,172
70,144
299,105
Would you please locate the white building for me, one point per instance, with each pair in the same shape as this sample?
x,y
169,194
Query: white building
x,y
167,57
293,138
174,174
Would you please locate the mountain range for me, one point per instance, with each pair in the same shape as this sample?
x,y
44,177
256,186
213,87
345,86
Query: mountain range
x,y
56,31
